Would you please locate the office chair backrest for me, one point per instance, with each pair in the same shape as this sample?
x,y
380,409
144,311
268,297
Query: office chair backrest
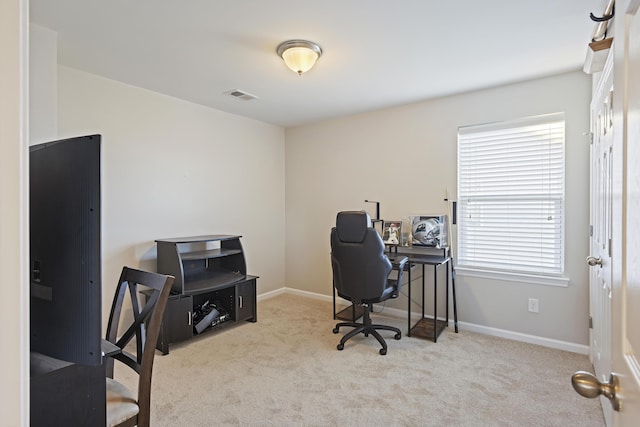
x,y
360,266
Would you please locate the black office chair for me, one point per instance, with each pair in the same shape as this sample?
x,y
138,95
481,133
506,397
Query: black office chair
x,y
361,272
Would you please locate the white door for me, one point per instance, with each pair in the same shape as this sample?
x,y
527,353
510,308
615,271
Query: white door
x,y
622,385
601,226
625,337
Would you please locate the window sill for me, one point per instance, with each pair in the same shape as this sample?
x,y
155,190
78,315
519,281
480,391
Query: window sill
x,y
513,277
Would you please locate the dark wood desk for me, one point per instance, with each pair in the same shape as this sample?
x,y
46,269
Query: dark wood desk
x,y
425,327
429,327
64,393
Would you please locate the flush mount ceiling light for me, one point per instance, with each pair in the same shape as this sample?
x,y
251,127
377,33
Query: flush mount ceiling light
x,y
299,55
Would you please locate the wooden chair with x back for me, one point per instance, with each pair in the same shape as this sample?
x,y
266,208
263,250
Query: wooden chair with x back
x,y
125,407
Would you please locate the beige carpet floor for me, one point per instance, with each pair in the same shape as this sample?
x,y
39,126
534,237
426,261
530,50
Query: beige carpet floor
x,y
285,370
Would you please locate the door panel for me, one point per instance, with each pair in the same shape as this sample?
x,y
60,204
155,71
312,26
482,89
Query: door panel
x,y
632,291
601,217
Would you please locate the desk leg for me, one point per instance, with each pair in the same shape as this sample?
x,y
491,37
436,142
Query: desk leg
x,y
453,289
435,303
446,290
409,301
423,296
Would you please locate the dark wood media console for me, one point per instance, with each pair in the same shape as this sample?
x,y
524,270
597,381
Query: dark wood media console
x,y
207,269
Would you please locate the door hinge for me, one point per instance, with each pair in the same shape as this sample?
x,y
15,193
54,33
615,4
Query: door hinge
x,y
590,135
610,255
590,322
591,231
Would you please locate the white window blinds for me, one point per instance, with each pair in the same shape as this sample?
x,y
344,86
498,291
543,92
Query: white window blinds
x,y
511,196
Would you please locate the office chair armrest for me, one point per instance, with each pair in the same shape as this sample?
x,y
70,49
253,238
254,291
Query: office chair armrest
x,y
397,261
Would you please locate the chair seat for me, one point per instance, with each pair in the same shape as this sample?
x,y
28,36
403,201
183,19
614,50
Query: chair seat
x,y
389,292
122,404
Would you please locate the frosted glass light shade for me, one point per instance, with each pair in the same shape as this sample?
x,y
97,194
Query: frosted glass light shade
x,y
299,59
299,55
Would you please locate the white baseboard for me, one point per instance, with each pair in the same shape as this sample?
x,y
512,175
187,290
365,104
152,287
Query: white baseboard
x,y
471,327
271,294
532,339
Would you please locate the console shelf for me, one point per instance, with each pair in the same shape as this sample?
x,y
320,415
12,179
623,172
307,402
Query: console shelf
x,y
211,253
203,283
209,269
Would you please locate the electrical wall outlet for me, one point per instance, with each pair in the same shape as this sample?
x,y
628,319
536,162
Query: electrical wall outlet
x,y
533,305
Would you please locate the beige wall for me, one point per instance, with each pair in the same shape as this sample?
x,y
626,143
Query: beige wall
x,y
14,231
405,157
171,168
196,170
43,84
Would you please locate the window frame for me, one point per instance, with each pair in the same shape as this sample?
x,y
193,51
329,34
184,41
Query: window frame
x,y
465,264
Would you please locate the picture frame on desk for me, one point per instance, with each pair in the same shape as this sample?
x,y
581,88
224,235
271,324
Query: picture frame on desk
x,y
430,231
392,232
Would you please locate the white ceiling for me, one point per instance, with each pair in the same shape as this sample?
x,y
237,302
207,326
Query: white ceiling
x,y
377,53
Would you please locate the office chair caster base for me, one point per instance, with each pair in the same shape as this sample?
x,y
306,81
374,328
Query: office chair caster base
x,y
336,330
383,351
340,346
398,336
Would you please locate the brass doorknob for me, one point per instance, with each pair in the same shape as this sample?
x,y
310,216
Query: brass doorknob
x,y
594,261
587,385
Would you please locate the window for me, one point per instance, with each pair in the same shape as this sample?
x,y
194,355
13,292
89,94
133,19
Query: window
x,y
511,196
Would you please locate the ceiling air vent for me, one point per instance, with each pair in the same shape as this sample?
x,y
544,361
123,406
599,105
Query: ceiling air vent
x,y
238,94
